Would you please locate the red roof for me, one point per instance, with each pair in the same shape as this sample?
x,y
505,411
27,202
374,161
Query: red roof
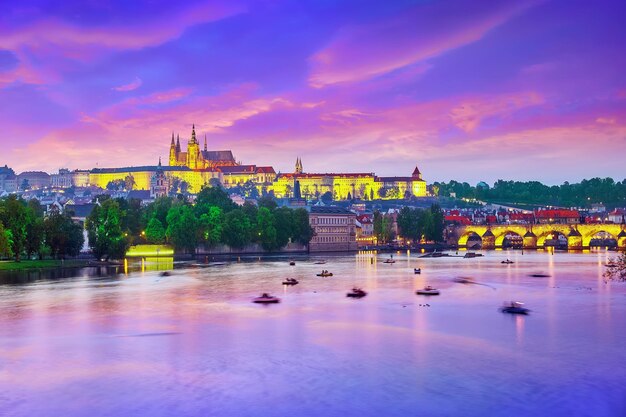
x,y
557,214
520,216
459,219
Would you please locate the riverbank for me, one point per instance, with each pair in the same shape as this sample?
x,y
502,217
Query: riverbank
x,y
29,264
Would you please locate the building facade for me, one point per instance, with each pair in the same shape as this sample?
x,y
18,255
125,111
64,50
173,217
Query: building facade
x,y
334,229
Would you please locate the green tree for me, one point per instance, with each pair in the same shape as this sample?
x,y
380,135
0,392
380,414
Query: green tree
x,y
213,196
267,201
438,222
15,217
284,223
63,236
155,232
182,229
211,226
34,228
104,230
5,242
266,229
302,232
157,209
236,229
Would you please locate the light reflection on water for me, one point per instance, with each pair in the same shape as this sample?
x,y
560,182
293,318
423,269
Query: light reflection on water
x,y
193,344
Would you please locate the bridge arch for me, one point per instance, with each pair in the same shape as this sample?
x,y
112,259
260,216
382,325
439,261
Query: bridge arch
x,y
500,237
552,234
589,237
469,236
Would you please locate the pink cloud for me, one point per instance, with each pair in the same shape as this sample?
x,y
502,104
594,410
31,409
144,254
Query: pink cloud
x,y
361,52
133,85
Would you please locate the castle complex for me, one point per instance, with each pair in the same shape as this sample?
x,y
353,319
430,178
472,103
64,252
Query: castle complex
x,y
196,167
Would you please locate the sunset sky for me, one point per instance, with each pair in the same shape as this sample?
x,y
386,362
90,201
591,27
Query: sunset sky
x,y
468,90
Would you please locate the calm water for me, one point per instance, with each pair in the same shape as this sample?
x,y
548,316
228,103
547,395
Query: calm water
x,y
192,344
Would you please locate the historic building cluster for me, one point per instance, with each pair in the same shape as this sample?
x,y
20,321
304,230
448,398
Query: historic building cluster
x,y
197,166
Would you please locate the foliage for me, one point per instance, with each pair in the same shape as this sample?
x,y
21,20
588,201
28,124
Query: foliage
x,y
104,230
302,232
616,269
14,214
157,209
237,229
583,194
211,226
383,227
213,196
182,229
415,224
63,236
266,229
5,242
155,232
267,201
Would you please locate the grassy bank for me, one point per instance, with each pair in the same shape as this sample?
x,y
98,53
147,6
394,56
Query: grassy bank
x,y
37,264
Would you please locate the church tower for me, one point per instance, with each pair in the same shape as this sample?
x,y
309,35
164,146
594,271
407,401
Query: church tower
x,y
193,150
173,153
298,166
159,183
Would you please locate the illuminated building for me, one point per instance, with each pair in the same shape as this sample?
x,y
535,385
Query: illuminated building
x,y
334,229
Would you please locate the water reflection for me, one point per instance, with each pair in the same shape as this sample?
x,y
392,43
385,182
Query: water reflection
x,y
105,343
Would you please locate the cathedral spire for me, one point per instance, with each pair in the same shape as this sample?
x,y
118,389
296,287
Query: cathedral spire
x,y
177,143
298,166
193,133
172,138
205,149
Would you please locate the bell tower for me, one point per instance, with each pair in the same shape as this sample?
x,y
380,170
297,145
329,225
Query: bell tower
x,y
193,150
298,166
173,153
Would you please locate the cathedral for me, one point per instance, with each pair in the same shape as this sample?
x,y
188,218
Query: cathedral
x,y
195,158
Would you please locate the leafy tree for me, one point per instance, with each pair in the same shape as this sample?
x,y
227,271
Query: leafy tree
x,y
15,217
212,225
438,223
63,236
104,230
157,209
266,229
155,232
237,229
284,223
268,202
5,242
213,196
182,229
302,232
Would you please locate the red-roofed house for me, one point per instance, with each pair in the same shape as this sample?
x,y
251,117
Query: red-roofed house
x,y
560,216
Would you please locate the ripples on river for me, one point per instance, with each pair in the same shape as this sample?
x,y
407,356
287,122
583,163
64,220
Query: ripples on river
x,y
192,344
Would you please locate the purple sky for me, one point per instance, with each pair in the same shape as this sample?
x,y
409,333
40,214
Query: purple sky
x,y
469,90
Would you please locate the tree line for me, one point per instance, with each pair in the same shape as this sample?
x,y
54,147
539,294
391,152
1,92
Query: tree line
x,y
213,219
412,223
25,231
583,194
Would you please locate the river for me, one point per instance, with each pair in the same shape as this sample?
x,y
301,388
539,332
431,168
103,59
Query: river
x,y
94,343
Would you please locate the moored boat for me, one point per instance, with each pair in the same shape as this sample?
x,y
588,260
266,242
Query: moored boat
x,y
514,307
356,293
428,290
540,275
417,270
290,281
325,274
292,263
508,261
265,298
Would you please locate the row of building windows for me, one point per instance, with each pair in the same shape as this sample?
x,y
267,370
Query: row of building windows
x,y
330,239
344,229
332,220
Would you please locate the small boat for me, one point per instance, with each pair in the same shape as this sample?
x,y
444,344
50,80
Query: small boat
x,y
389,261
292,263
322,262
508,262
514,307
325,274
417,270
472,255
428,290
290,281
356,293
540,275
165,274
265,298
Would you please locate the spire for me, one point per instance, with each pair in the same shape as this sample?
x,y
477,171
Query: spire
x,y
205,149
160,166
177,143
193,133
172,139
298,165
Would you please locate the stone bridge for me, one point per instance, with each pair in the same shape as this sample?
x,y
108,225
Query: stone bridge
x,y
578,236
